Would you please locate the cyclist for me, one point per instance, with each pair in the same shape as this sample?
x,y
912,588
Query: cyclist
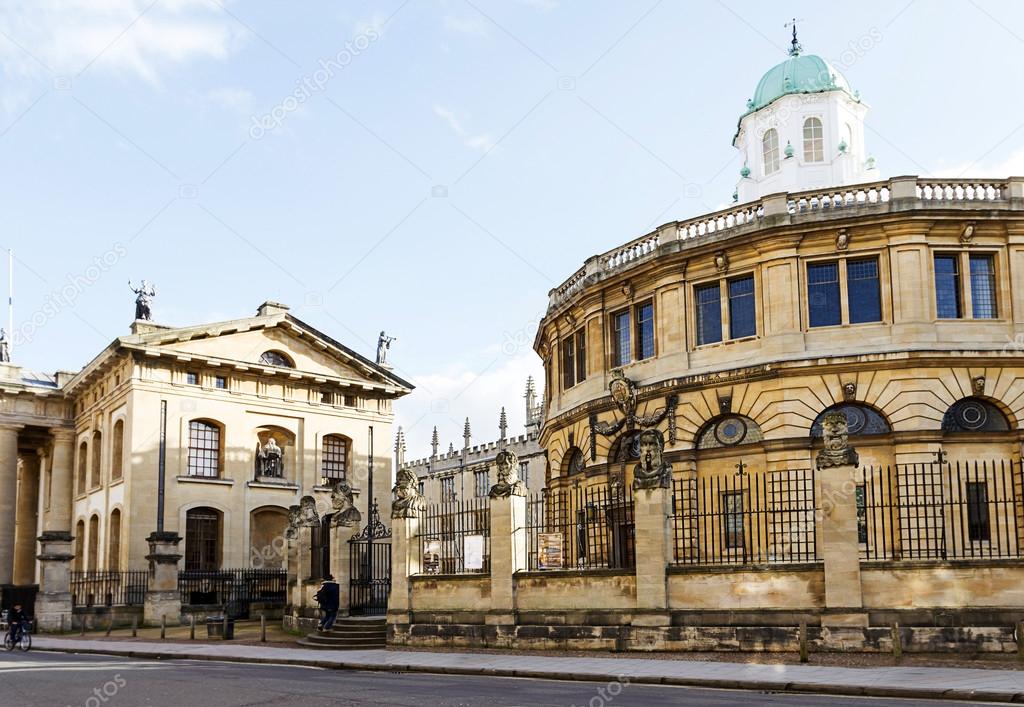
x,y
16,622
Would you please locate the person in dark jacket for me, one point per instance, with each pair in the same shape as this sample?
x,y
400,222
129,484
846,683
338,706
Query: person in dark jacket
x,y
328,598
16,620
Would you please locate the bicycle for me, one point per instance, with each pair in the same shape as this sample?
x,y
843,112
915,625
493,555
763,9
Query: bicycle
x,y
20,636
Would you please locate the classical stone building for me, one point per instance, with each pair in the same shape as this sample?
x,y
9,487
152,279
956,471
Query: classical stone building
x,y
469,472
210,431
804,408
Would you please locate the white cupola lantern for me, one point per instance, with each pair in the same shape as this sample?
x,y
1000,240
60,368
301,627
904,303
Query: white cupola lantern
x,y
803,130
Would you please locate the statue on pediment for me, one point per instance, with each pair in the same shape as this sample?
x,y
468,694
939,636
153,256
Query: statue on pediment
x,y
144,295
5,348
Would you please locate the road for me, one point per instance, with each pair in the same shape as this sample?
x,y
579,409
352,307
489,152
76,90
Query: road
x,y
41,678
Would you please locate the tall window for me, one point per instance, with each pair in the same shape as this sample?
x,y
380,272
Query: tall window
x,y
481,483
863,293
814,141
823,294
978,529
770,151
94,542
732,520
83,463
524,473
983,287
203,449
620,338
97,455
574,359
947,287
80,546
644,330
448,489
742,317
709,313
334,459
114,541
117,451
202,539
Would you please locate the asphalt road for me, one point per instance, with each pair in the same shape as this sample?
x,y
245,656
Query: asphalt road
x,y
40,678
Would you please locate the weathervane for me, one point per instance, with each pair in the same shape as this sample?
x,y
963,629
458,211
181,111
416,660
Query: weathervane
x,y
795,49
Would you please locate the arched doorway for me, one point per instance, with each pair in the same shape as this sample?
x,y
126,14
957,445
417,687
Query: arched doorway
x,y
267,544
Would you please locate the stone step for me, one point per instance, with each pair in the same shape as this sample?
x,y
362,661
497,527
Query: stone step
x,y
341,646
361,637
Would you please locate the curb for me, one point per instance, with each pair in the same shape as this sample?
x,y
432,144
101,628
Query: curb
x,y
714,683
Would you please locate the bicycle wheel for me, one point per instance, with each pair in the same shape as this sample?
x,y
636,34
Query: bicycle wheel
x,y
26,641
9,641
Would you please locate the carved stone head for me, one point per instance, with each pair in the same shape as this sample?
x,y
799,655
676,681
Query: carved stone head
x,y
308,516
508,483
836,435
652,471
978,385
849,391
294,515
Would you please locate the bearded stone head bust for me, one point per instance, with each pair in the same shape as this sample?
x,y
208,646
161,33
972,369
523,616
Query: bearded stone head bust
x,y
652,471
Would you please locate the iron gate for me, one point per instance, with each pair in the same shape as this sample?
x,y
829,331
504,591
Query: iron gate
x,y
370,568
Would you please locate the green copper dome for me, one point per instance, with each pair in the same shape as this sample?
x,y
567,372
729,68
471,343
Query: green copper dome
x,y
797,74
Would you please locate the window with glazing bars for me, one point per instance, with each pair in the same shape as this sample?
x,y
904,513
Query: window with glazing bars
x,y
574,359
863,295
203,449
814,143
448,489
644,330
620,338
709,313
482,483
947,287
983,287
524,473
334,458
823,294
742,309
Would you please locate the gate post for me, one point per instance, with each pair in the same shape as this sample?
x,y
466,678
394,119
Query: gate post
x,y
53,603
163,600
405,562
652,515
341,559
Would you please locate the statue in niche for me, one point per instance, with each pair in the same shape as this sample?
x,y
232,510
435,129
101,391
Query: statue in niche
x,y
509,483
837,450
269,460
343,506
5,348
144,295
308,517
406,499
294,514
652,472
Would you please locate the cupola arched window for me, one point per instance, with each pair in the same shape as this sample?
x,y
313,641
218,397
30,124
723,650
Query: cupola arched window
x,y
770,151
860,420
276,358
728,431
974,415
574,462
814,141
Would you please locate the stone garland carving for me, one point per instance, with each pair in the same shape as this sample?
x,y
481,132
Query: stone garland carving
x,y
292,531
652,471
508,483
623,394
344,511
406,499
837,450
308,517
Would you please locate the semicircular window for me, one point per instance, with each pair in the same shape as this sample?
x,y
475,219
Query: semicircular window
x,y
276,358
974,415
860,420
728,431
574,462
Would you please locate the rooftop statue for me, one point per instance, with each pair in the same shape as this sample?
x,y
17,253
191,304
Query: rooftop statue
x,y
143,300
383,345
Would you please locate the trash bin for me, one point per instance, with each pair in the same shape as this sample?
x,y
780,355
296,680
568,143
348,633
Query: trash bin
x,y
215,628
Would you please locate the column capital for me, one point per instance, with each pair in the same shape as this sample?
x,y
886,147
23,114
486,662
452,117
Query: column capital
x,y
11,427
62,434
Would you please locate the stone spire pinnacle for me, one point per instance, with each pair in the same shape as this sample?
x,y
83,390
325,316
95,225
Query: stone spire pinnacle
x,y
466,436
503,424
434,442
400,448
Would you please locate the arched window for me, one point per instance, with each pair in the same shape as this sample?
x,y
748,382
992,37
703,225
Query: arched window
x,y
114,541
573,463
97,455
860,420
814,141
94,542
334,459
203,448
729,431
80,546
83,463
277,358
974,415
770,151
202,539
117,451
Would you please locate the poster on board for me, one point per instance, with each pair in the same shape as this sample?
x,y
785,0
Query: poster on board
x,y
550,551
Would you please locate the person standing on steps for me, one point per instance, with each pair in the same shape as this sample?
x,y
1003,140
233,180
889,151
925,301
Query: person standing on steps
x,y
328,598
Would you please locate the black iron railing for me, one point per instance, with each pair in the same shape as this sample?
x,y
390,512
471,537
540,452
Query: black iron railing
x,y
749,518
949,511
234,589
454,531
587,527
108,588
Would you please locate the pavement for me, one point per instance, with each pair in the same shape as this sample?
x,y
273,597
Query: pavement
x,y
965,684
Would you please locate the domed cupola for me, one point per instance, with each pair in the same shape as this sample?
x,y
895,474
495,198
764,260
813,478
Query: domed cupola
x,y
803,129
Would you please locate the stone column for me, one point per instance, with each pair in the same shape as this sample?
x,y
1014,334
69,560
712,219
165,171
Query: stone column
x,y
508,556
61,476
26,528
162,596
8,498
405,562
652,513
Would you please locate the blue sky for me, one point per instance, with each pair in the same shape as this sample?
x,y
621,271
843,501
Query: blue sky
x,y
453,162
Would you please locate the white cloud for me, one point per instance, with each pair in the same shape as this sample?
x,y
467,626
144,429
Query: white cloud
x,y
999,164
122,37
446,398
482,142
472,26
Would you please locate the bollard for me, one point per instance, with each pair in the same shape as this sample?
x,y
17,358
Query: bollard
x,y
62,623
110,625
192,627
1020,640
81,625
897,642
163,626
803,641
263,628
135,626
224,627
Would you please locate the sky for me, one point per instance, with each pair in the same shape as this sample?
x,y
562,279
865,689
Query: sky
x,y
427,167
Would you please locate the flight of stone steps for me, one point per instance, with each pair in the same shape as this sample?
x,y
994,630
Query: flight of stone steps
x,y
349,633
